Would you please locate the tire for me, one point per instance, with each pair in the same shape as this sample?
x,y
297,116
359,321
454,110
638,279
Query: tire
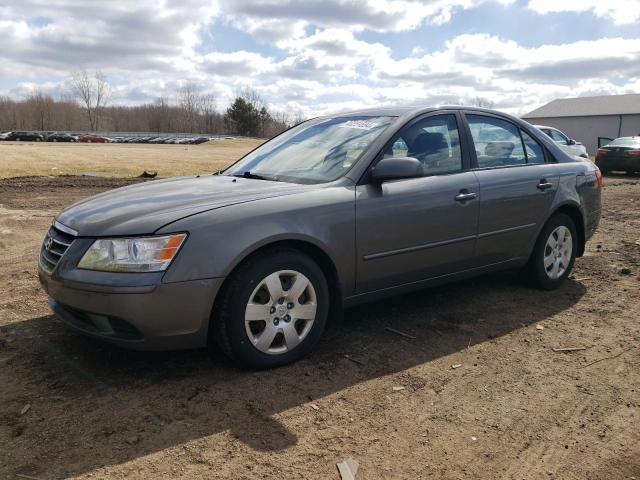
x,y
538,271
237,326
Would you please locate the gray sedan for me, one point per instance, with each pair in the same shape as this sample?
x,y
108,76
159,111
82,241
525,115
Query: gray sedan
x,y
337,211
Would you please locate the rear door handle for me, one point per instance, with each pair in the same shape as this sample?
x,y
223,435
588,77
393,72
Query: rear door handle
x,y
463,196
543,185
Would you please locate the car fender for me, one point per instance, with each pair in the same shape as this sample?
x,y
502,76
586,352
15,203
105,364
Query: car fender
x,y
566,195
220,239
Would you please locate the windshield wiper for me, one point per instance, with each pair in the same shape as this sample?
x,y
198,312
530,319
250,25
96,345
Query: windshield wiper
x,y
253,176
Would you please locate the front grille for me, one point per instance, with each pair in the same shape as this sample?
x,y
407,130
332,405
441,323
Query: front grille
x,y
55,244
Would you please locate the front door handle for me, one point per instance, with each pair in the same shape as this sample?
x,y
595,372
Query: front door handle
x,y
543,185
463,196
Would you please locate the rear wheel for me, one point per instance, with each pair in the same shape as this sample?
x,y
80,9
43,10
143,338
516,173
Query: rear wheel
x,y
554,253
273,309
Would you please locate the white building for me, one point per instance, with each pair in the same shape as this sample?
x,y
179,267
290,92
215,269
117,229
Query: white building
x,y
587,118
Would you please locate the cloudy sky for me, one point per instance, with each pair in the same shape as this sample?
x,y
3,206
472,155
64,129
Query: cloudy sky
x,y
329,55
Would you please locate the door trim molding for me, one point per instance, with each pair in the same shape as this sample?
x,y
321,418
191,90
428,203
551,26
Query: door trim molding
x,y
506,230
417,248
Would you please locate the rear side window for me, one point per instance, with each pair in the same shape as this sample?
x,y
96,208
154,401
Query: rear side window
x,y
497,142
535,153
625,142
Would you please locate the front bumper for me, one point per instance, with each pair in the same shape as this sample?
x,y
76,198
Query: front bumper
x,y
164,316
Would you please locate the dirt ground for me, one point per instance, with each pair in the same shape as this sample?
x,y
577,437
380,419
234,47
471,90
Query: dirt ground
x,y
513,409
129,159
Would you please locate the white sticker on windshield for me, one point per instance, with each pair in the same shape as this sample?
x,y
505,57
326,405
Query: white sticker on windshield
x,y
360,124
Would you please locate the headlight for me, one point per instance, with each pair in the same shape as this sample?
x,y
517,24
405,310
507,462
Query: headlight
x,y
151,254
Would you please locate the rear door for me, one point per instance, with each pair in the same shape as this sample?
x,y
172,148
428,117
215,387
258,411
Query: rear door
x,y
517,187
419,228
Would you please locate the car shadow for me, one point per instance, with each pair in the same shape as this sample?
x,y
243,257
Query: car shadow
x,y
93,405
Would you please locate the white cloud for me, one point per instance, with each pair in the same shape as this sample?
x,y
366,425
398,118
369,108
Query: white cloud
x,y
317,60
276,20
117,34
620,11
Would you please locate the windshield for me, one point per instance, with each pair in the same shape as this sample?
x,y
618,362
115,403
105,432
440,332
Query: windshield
x,y
625,142
316,151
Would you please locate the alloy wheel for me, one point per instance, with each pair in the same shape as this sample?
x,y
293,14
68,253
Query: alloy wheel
x,y
557,252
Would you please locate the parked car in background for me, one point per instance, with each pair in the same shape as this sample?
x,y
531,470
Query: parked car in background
x,y
62,137
621,154
93,138
569,145
4,135
336,211
25,137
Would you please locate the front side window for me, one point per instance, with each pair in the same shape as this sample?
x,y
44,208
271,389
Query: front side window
x,y
316,151
433,140
497,142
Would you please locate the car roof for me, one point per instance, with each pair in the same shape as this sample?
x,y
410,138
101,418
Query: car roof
x,y
399,111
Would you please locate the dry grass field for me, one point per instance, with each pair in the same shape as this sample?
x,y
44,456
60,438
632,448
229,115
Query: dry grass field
x,y
19,159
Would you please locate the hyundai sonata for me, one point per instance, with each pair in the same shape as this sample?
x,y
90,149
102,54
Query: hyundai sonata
x,y
336,211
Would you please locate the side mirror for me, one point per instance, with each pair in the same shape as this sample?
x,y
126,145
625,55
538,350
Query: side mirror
x,y
571,142
396,168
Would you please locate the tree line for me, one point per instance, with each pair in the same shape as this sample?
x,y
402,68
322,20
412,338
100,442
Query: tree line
x,y
86,108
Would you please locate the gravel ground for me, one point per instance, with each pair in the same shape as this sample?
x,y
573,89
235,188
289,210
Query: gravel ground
x,y
513,409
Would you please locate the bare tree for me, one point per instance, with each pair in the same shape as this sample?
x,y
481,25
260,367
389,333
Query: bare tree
x,y
40,112
40,107
93,93
207,111
298,118
481,102
189,100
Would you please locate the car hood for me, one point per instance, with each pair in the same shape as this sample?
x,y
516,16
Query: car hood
x,y
144,208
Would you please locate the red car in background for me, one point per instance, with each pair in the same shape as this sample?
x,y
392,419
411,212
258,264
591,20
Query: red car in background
x,y
91,138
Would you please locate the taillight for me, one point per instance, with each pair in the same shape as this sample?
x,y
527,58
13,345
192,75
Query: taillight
x,y
602,151
599,178
633,153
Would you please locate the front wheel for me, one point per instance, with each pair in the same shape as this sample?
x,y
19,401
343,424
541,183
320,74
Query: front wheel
x,y
554,253
273,309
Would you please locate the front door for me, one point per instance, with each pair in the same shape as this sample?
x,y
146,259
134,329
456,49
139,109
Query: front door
x,y
415,229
